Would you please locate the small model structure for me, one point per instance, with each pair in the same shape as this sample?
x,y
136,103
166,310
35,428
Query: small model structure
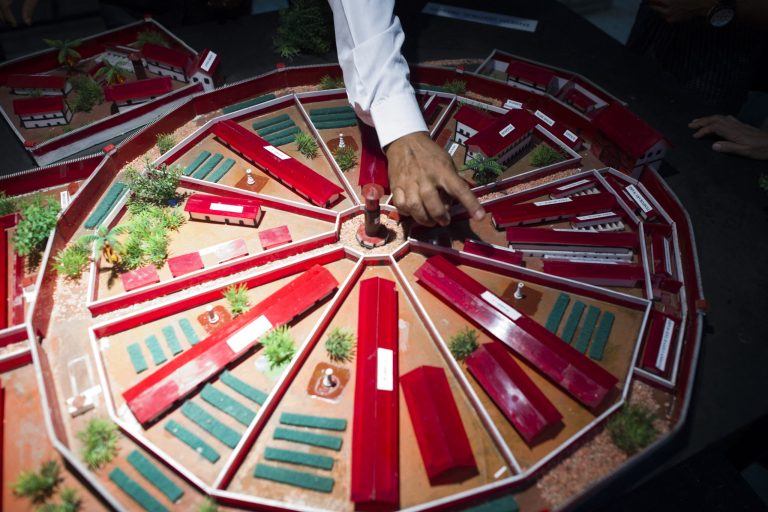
x,y
130,95
46,85
229,210
42,111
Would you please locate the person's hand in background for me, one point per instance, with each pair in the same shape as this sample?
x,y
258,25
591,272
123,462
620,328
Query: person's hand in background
x,y
675,11
736,137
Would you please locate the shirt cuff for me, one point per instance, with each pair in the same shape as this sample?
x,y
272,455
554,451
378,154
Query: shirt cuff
x,y
396,116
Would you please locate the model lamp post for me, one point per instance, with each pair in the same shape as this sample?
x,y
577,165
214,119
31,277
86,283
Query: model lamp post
x,y
329,380
249,177
213,317
519,291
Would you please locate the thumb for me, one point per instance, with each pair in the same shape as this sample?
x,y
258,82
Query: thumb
x,y
725,146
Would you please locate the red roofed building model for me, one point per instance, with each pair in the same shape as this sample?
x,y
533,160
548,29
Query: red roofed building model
x,y
229,210
47,85
469,121
504,138
43,111
132,94
180,65
532,76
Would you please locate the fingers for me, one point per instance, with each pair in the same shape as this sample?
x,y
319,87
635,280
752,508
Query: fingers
x,y
414,205
725,146
459,189
434,205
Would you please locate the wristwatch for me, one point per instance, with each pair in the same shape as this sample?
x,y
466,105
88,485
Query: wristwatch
x,y
722,13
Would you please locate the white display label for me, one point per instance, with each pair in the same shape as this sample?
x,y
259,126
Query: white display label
x,y
572,185
596,216
502,306
553,201
506,130
385,380
568,134
638,198
544,117
221,207
453,148
279,154
208,61
248,334
666,341
512,104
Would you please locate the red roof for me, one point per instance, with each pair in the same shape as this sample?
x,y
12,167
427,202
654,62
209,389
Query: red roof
x,y
240,208
37,81
630,133
40,105
472,117
197,64
490,139
175,58
530,73
138,89
579,99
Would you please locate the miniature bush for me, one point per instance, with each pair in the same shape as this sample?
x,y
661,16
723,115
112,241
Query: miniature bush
x,y
486,170
111,73
70,502
38,486
345,157
67,54
463,343
151,36
304,27
340,345
72,260
155,186
148,235
278,346
330,82
307,144
8,204
99,442
165,142
237,296
544,154
455,86
38,218
208,505
87,93
632,428
106,241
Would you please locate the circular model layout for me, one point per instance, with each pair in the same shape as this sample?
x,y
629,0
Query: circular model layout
x,y
265,359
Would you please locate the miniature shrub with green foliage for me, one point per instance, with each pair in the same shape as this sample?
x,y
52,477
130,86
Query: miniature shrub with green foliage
x,y
165,142
8,204
70,502
38,218
543,154
306,144
72,260
40,485
278,346
208,505
463,343
88,93
330,82
345,157
304,27
155,186
148,235
486,170
99,442
237,296
150,36
455,86
340,345
632,428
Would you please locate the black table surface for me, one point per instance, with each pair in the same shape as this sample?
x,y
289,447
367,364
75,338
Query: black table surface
x,y
729,212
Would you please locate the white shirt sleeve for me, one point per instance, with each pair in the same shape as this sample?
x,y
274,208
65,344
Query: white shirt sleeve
x,y
368,41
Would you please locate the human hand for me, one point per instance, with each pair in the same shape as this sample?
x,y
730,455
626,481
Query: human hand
x,y
739,138
675,11
420,173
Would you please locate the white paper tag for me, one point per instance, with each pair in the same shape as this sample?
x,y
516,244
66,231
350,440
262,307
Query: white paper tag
x,y
506,130
279,154
568,134
502,306
208,61
666,341
595,216
221,207
544,117
638,198
453,148
384,369
572,185
248,334
512,104
553,201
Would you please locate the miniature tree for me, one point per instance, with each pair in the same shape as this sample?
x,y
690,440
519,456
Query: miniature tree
x,y
106,241
70,502
8,204
71,260
155,186
543,154
278,346
304,27
151,36
237,296
463,343
208,505
306,144
330,82
455,86
111,73
87,93
632,428
165,142
148,235
38,486
345,157
67,55
99,442
38,218
340,345
486,170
